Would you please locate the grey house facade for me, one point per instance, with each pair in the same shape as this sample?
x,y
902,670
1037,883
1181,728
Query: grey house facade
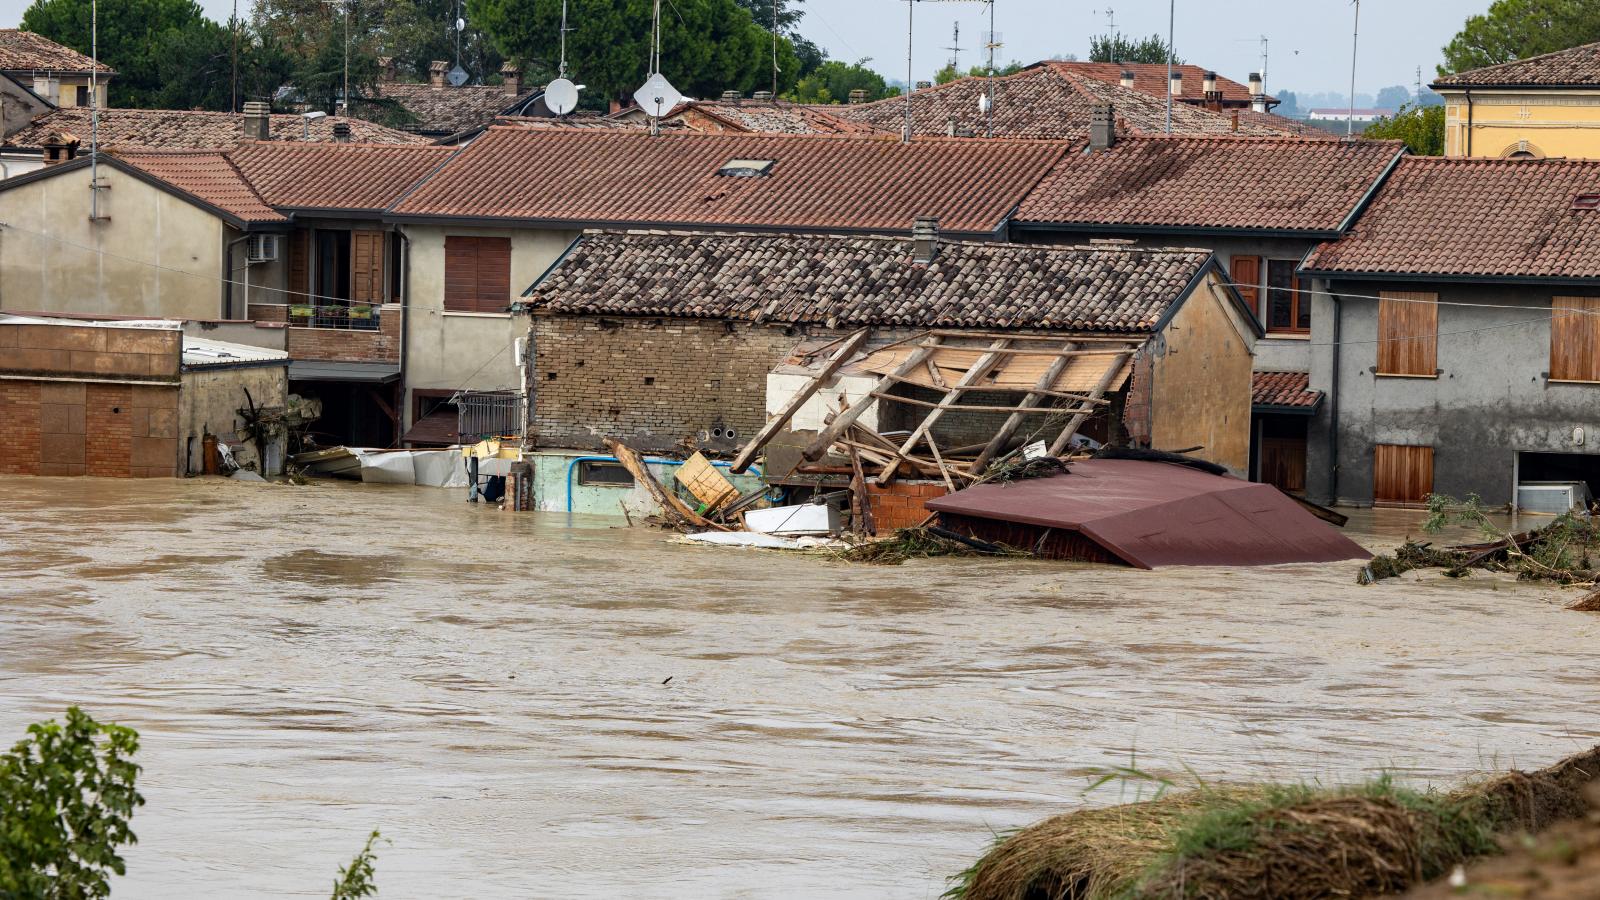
x,y
1456,333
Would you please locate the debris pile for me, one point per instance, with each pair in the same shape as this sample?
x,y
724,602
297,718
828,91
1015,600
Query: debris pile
x,y
1564,551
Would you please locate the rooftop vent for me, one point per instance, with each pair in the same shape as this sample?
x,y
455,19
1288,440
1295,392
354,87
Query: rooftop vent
x,y
1586,201
762,96
746,168
731,96
858,95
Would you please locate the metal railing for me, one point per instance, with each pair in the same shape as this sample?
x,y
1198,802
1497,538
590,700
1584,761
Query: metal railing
x,y
487,414
353,317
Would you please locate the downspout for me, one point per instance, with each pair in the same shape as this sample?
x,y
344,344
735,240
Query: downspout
x,y
405,318
1333,404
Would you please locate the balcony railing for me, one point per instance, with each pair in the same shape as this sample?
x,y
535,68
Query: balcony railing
x,y
354,317
487,414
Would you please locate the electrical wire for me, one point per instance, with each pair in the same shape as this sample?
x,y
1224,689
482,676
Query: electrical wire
x,y
1269,290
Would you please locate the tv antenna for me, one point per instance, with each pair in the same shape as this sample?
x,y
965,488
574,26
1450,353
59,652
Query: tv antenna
x,y
1355,36
1111,22
656,96
561,95
911,5
955,48
1263,64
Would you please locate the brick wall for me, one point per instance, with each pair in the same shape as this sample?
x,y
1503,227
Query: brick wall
x,y
268,312
19,428
78,428
338,344
900,504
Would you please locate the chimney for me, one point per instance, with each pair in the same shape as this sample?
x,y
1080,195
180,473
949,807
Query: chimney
x,y
1258,93
341,132
436,70
731,96
1213,97
924,84
1177,83
1102,128
257,121
386,69
924,240
613,106
858,95
59,146
762,96
511,77
1236,120
1127,79
1210,82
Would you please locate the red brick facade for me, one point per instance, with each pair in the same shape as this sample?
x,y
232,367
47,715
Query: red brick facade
x,y
338,344
900,504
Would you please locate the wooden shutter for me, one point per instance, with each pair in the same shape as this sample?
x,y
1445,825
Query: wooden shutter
x,y
477,274
299,265
1575,339
1402,475
1246,272
366,267
1408,333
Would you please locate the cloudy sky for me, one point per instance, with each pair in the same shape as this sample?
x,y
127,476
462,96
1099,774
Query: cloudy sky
x,y
1309,39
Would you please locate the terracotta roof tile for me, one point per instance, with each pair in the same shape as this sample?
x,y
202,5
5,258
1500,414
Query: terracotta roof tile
x,y
173,129
777,117
451,110
1151,78
850,281
1284,389
335,176
815,182
1474,217
1570,67
1263,184
209,177
24,51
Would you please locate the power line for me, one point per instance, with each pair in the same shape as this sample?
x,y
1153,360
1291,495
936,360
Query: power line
x,y
1236,284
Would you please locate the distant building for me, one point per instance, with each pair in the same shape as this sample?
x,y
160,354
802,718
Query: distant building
x,y
441,109
60,75
1360,115
1530,108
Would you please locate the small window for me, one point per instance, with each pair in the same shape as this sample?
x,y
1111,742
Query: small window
x,y
1575,339
604,474
83,95
746,168
1287,308
1408,333
1582,201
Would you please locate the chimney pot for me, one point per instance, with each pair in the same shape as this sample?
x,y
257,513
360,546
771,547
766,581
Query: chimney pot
x,y
1210,82
1102,128
858,95
924,240
1258,92
924,84
762,96
436,70
1177,84
59,147
511,77
341,132
731,96
257,121
1127,79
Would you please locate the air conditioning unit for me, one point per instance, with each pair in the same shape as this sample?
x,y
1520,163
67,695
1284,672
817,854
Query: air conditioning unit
x,y
262,247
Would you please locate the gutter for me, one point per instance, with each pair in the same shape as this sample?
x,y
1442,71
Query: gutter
x,y
486,221
1590,281
1199,230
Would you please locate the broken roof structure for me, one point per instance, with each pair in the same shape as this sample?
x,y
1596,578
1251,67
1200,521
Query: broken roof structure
x,y
177,129
1146,514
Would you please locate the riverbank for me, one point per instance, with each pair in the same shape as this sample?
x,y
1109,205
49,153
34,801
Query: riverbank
x,y
306,663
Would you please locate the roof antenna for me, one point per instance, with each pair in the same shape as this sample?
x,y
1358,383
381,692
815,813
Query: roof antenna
x,y
656,96
955,48
775,49
992,42
561,95
94,111
1355,34
1172,27
905,130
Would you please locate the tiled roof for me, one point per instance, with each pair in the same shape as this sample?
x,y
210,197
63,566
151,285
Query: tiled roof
x,y
335,176
1046,102
211,178
173,129
586,123
774,117
1477,218
1151,78
815,182
848,281
451,110
1286,125
1284,389
24,51
1573,66
1259,184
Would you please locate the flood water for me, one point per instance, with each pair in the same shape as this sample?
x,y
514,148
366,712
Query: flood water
x,y
529,705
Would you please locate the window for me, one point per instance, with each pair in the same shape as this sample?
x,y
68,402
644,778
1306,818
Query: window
x,y
1246,272
477,274
332,264
746,168
1287,308
1402,475
1408,333
83,95
1575,339
608,474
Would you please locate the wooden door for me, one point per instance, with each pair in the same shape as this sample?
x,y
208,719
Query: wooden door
x,y
1283,463
1402,475
299,265
366,267
1246,272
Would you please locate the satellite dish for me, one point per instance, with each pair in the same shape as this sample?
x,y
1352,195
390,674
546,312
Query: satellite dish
x,y
983,103
457,76
658,97
561,96
461,24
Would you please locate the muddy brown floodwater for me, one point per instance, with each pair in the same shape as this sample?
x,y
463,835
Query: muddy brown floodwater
x,y
491,690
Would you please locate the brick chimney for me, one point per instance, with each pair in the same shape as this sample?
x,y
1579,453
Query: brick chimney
x,y
1127,79
1102,128
257,121
59,147
923,85
511,77
386,69
924,240
858,95
1177,82
341,132
436,70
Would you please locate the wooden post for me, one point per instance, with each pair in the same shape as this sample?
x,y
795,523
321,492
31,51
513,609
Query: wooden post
x,y
1013,421
967,382
1099,391
851,344
846,418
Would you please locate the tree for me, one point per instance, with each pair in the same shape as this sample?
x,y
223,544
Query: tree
x,y
356,880
1517,29
1421,127
1118,48
133,35
1288,104
1392,97
950,73
833,81
789,16
66,795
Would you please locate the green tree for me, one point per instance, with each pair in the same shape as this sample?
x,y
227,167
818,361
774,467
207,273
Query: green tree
x,y
707,46
66,795
133,34
1421,127
789,16
950,73
833,81
1516,29
1119,48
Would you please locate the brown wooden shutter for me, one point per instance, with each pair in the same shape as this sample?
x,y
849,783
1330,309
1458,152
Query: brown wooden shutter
x,y
1408,333
1401,474
494,274
477,274
299,265
1575,339
1246,272
366,267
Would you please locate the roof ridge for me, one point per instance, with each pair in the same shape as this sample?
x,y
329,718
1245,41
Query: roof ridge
x,y
1512,62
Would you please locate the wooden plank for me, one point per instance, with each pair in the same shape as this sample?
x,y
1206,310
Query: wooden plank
x,y
847,417
934,376
668,501
968,382
1575,339
1408,333
956,407
775,424
1059,445
1036,397
1053,338
858,484
1064,395
944,470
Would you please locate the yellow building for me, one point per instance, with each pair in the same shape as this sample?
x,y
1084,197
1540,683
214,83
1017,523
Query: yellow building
x,y
59,75
1542,106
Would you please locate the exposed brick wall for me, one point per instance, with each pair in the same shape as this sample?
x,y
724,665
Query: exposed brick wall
x,y
54,350
900,504
63,428
268,312
348,345
109,409
19,427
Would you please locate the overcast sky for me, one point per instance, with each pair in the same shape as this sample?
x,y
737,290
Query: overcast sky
x,y
1309,39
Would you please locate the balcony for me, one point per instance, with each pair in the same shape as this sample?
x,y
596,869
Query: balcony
x,y
353,333
351,317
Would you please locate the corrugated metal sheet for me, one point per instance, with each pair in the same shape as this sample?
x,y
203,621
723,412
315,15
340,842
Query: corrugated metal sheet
x,y
202,353
1151,514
